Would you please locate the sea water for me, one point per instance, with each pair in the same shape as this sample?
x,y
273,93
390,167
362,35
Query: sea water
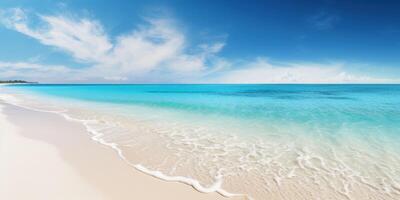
x,y
262,141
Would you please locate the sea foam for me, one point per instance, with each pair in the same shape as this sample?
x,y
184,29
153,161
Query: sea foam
x,y
278,159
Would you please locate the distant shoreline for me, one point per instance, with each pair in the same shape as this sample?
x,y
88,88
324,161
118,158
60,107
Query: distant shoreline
x,y
17,82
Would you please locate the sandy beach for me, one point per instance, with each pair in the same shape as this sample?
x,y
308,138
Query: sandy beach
x,y
190,100
43,156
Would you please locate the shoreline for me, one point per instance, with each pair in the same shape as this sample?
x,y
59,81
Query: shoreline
x,y
96,165
293,166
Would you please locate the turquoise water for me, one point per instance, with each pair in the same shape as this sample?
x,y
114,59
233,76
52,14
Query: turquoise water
x,y
373,102
324,105
339,139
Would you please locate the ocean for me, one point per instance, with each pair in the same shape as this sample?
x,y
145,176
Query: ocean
x,y
267,141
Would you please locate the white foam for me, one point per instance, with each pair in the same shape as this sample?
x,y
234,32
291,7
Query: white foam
x,y
269,158
96,136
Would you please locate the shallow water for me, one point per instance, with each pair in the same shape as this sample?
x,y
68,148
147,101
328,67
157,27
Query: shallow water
x,y
267,141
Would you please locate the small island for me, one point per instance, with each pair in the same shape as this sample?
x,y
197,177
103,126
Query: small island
x,y
15,81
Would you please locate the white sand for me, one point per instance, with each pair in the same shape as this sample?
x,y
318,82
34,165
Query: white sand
x,y
31,169
43,156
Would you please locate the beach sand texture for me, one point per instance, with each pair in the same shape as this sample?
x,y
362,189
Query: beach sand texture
x,y
44,156
346,149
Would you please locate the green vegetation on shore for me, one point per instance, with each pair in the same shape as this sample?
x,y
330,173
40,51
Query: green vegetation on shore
x,y
16,81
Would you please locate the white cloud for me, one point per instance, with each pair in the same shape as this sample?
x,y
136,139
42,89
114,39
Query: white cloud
x,y
324,20
116,78
262,71
157,51
146,49
34,71
156,46
84,39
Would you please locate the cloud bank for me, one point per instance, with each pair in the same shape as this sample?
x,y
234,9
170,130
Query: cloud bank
x,y
262,71
155,51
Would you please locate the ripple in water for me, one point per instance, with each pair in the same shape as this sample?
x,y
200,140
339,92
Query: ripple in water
x,y
294,149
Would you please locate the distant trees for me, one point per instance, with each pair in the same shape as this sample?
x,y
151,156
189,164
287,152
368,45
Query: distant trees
x,y
15,81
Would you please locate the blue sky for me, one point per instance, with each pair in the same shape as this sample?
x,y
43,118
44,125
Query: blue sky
x,y
200,41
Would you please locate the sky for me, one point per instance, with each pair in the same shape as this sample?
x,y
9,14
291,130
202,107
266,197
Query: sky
x,y
188,41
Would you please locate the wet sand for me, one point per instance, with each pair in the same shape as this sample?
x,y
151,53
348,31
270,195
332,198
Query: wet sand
x,y
43,156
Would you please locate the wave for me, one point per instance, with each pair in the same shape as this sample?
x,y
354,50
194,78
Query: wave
x,y
97,136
